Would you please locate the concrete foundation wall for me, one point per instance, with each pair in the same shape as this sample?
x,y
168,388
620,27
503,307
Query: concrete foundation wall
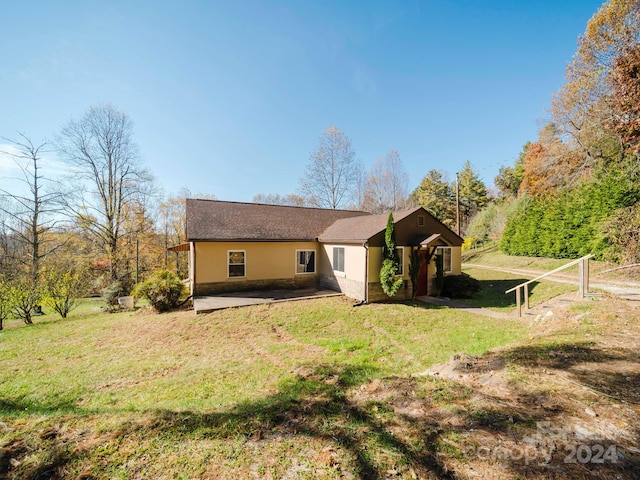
x,y
351,288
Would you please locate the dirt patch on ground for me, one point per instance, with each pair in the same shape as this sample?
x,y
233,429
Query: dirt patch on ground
x,y
564,405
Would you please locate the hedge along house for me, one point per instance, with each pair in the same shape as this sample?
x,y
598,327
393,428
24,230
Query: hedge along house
x,y
247,246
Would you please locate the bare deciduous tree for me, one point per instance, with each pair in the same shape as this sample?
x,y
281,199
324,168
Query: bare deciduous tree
x,y
331,177
386,185
289,199
35,211
100,148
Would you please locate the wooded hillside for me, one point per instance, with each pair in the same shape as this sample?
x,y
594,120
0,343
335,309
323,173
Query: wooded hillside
x,y
577,185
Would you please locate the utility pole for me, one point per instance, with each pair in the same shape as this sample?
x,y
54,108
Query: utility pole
x,y
457,205
137,262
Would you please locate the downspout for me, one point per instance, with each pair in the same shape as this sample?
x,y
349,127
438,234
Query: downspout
x,y
366,272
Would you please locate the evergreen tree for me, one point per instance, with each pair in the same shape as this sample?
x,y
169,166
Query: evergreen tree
x,y
390,284
473,194
436,195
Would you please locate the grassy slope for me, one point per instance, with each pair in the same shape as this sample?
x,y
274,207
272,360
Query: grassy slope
x,y
117,387
493,257
493,286
312,389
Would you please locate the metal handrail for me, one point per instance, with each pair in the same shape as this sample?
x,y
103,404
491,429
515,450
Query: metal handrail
x,y
559,269
583,281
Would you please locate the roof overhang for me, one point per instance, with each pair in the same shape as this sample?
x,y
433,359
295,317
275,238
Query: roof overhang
x,y
426,241
183,247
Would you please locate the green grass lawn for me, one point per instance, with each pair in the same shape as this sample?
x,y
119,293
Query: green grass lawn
x,y
491,256
493,286
181,396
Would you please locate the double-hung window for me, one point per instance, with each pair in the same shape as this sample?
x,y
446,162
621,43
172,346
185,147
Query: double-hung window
x,y
446,254
305,261
236,262
338,259
400,260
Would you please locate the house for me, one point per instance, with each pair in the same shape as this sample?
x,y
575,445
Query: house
x,y
237,246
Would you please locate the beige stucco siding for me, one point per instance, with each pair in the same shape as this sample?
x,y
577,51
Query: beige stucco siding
x,y
351,282
375,263
456,260
263,260
354,261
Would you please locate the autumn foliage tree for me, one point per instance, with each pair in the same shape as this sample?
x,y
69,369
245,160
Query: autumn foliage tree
x,y
584,105
625,80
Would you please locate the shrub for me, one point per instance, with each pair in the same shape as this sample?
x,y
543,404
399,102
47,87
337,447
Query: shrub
x,y
163,290
5,302
62,291
460,286
24,299
120,288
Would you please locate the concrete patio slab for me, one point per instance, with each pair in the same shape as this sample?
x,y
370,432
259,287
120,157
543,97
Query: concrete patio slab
x,y
210,303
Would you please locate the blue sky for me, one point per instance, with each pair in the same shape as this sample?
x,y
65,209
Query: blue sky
x,y
229,97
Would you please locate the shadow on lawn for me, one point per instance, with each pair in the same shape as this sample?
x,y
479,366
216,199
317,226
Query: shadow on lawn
x,y
315,404
322,403
422,422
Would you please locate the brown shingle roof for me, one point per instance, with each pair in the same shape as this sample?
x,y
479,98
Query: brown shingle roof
x,y
361,229
215,220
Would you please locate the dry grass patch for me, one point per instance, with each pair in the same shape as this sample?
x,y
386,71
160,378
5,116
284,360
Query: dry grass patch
x,y
315,389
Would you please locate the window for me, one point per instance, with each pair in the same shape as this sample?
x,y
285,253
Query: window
x,y
338,259
421,220
446,254
236,263
305,261
400,259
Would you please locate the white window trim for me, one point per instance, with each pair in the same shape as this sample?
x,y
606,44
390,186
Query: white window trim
x,y
315,261
450,259
344,261
244,252
401,262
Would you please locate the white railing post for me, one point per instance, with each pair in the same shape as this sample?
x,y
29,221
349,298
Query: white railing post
x,y
518,304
